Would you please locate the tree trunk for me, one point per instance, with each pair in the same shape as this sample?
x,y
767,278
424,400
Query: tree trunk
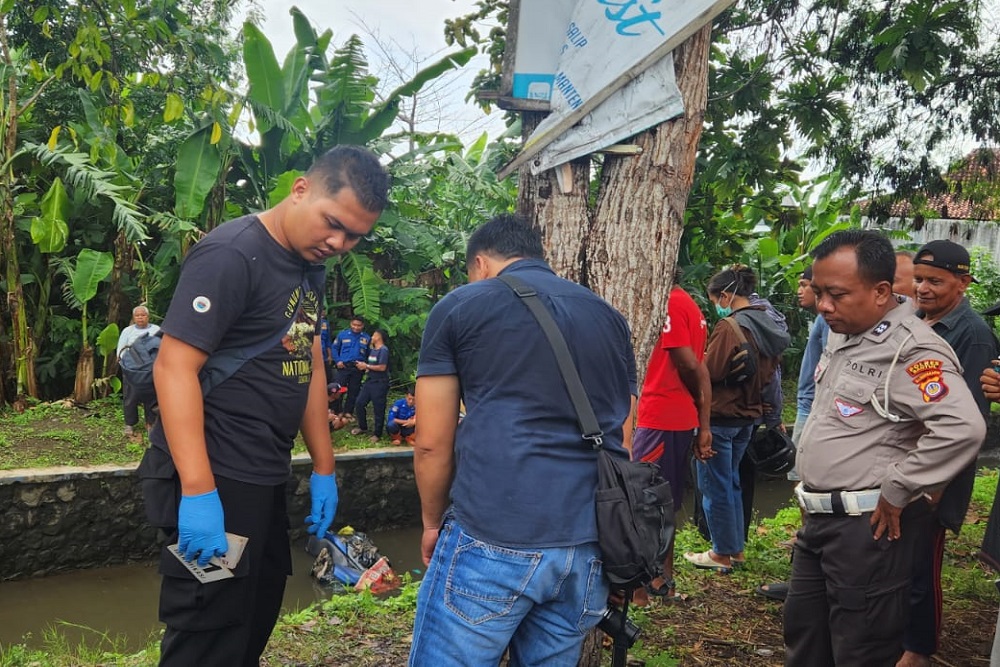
x,y
626,250
561,218
83,388
632,246
22,350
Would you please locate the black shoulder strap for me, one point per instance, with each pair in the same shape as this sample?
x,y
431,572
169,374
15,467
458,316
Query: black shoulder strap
x,y
736,328
223,364
585,416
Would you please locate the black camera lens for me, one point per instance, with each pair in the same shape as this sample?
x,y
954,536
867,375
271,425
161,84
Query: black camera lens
x,y
618,626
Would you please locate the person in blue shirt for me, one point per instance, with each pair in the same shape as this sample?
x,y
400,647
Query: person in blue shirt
x,y
326,344
402,419
348,348
376,387
507,498
818,333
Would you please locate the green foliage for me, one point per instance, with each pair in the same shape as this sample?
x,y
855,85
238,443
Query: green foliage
x,y
107,340
985,292
198,167
50,230
90,268
364,284
93,184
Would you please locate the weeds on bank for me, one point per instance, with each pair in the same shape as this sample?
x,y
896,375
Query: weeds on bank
x,y
720,613
62,433
354,628
100,650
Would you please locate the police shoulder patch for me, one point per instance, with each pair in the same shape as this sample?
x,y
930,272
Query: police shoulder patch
x,y
928,375
881,328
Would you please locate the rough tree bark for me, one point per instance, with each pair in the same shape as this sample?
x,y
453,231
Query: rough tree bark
x,y
632,247
561,218
626,248
22,361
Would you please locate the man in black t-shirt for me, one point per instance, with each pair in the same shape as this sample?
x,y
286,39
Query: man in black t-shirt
x,y
218,463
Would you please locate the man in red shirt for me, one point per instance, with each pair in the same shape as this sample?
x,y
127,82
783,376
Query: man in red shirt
x,y
674,407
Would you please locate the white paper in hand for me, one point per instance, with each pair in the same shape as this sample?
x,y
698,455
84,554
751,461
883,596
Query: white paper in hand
x,y
218,568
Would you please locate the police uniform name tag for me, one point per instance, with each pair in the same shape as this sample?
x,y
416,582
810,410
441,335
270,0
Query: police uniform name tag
x,y
218,568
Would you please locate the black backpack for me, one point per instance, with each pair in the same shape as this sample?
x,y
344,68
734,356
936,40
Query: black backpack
x,y
743,363
136,361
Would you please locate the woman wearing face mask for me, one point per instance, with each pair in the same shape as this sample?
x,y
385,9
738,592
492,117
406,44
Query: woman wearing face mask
x,y
736,408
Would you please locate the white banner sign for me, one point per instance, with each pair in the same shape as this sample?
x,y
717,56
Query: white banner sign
x,y
607,44
540,27
649,100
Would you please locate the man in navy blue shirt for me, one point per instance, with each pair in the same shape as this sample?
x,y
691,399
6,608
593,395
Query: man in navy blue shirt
x,y
349,347
507,499
402,419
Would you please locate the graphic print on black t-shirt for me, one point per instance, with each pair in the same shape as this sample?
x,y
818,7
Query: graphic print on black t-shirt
x,y
299,339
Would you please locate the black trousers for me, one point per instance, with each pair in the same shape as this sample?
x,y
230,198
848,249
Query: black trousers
x,y
227,623
923,630
849,597
348,376
130,406
374,393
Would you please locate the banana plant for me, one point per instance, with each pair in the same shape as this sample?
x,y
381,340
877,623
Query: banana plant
x,y
310,103
84,276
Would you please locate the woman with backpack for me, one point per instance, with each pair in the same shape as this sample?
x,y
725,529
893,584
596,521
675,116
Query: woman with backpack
x,y
743,350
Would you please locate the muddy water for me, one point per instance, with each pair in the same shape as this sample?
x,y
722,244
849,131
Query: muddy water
x,y
121,601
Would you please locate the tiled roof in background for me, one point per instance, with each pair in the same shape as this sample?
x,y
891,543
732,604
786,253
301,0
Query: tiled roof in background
x,y
973,191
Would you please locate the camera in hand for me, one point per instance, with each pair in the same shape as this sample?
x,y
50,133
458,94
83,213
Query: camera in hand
x,y
617,625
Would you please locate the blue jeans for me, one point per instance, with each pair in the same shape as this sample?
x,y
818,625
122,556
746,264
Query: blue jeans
x,y
477,598
721,495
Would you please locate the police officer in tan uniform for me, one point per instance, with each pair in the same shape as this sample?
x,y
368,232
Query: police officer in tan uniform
x,y
892,423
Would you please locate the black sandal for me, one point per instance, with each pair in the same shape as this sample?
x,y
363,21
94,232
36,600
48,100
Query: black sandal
x,y
663,590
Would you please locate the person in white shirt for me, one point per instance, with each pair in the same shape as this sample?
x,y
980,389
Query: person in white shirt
x,y
140,327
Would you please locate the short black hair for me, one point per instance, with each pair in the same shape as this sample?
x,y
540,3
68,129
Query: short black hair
x,y
409,389
739,279
875,256
357,168
357,318
505,236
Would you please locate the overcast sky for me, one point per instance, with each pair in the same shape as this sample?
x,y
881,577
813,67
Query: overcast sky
x,y
409,33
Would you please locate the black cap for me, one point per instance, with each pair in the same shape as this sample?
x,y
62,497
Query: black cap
x,y
944,254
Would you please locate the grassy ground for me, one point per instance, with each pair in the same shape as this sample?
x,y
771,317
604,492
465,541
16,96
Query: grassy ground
x,y
720,621
62,433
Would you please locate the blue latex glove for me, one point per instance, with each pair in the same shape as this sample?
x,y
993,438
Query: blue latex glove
x,y
201,527
323,490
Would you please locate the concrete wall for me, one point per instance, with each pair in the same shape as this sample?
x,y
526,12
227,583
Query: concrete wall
x,y
969,233
59,519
